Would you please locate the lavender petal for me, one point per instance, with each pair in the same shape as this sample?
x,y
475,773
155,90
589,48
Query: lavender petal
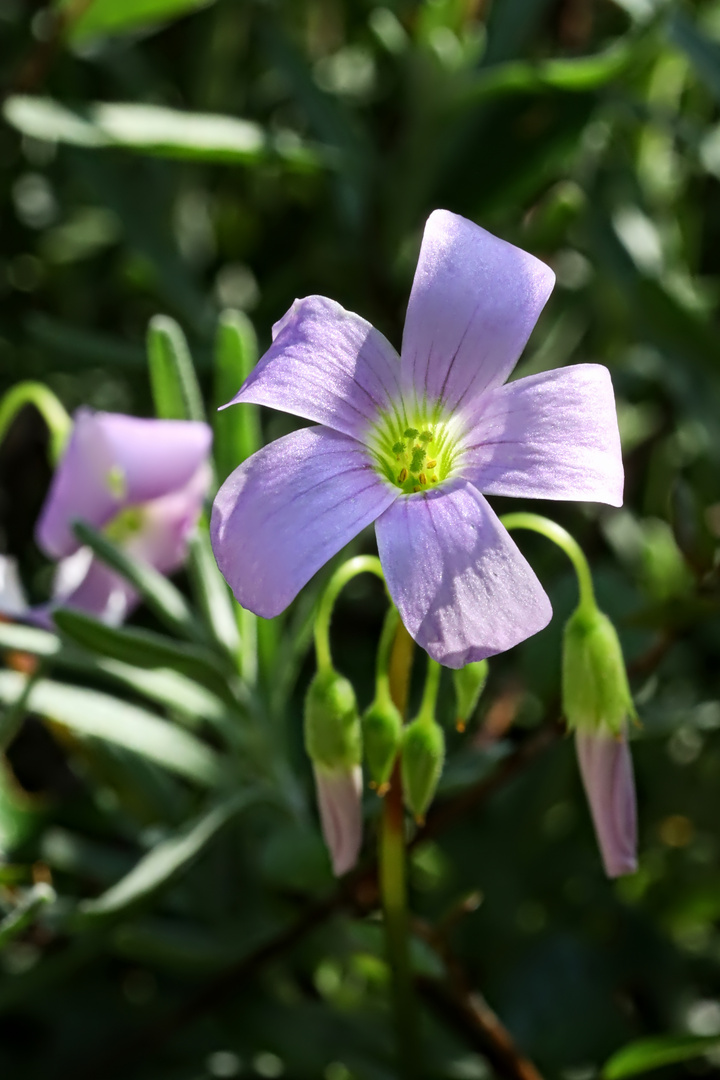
x,y
475,299
339,795
549,436
327,365
607,774
462,588
288,509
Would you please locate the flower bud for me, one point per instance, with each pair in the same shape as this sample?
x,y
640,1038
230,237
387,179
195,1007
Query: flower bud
x,y
333,740
469,684
607,774
332,726
595,690
597,703
422,756
382,733
339,795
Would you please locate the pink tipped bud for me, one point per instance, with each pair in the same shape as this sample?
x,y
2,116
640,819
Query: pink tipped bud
x,y
339,795
607,774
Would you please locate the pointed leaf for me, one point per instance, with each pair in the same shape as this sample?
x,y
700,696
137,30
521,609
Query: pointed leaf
x,y
646,1054
174,384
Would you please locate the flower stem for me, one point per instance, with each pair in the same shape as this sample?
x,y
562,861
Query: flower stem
x,y
393,884
552,531
359,565
52,411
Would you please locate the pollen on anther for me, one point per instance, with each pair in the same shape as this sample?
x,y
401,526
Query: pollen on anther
x,y
431,464
422,478
433,479
402,476
416,487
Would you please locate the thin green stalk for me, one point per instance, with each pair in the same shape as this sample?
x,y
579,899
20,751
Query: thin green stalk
x,y
552,531
359,565
52,411
430,691
393,883
384,654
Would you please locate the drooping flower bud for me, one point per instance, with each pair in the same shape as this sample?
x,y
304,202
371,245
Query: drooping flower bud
x,y
607,774
597,704
333,739
469,684
422,756
382,733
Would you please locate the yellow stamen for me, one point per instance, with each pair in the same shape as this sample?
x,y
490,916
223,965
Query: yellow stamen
x,y
422,478
433,479
431,464
403,476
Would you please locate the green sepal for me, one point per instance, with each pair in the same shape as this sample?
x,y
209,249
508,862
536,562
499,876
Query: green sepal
x,y
469,684
333,735
595,690
382,733
422,757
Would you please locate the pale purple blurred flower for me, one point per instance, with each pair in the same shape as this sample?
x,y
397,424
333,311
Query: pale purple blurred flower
x,y
462,587
142,482
339,796
607,774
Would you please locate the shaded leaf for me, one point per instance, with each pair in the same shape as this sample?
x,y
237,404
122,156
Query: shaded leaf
x,y
646,1054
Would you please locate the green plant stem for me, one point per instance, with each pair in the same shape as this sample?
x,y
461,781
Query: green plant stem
x,y
430,691
384,654
552,531
52,411
393,883
247,625
359,565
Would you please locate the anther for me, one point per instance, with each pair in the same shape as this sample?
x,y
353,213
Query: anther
x,y
431,464
402,477
422,478
433,479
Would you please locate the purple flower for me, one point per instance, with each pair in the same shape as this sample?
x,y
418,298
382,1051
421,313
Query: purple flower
x,y
143,483
414,442
339,795
607,773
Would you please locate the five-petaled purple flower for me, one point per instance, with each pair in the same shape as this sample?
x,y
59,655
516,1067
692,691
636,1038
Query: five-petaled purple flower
x,y
414,443
143,482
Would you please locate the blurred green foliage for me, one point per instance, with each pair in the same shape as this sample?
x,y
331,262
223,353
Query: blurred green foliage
x,y
186,157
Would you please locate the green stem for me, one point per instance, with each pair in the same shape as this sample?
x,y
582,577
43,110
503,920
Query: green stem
x,y
552,531
359,565
430,692
52,411
247,625
393,884
384,653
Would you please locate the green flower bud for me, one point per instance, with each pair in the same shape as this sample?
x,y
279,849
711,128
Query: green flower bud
x,y
333,737
469,684
382,733
422,756
595,690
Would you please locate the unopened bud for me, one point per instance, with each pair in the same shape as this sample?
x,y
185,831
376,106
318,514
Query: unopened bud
x,y
422,756
333,740
339,796
595,690
469,684
607,775
332,726
382,734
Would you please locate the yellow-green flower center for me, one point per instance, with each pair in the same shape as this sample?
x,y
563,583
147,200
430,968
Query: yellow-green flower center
x,y
416,455
125,524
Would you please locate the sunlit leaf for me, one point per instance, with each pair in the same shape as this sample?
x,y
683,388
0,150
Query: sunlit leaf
x,y
124,16
646,1054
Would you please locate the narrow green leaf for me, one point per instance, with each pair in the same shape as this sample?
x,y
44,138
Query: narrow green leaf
x,y
237,429
91,713
165,861
646,1054
103,17
145,649
161,596
25,912
212,594
172,376
158,132
18,638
